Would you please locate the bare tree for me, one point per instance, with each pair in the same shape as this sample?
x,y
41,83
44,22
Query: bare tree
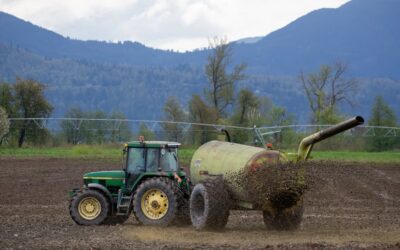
x,y
326,89
221,92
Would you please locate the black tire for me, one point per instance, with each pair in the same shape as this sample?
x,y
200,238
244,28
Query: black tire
x,y
285,219
77,205
167,187
209,205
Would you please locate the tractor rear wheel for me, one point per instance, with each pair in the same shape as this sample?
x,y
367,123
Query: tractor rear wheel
x,y
285,219
89,207
209,205
155,203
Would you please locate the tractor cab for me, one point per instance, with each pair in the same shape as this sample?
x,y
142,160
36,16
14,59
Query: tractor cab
x,y
151,156
144,158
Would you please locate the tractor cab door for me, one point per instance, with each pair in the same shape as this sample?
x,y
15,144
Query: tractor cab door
x,y
141,160
136,160
153,159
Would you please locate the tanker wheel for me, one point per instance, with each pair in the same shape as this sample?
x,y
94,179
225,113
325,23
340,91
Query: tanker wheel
x,y
285,219
155,203
209,205
89,207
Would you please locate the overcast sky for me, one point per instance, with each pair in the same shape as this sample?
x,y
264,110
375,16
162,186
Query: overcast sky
x,y
167,24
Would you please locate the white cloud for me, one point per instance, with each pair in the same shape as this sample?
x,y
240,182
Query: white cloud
x,y
167,24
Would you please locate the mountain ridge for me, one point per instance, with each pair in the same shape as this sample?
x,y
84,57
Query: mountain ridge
x,y
352,34
130,76
361,33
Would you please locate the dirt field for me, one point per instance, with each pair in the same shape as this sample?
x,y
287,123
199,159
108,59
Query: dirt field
x,y
346,206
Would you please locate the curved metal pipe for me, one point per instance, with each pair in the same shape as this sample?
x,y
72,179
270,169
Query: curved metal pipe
x,y
307,143
228,137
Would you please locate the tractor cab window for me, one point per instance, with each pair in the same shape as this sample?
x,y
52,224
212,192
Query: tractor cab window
x,y
169,159
153,158
136,160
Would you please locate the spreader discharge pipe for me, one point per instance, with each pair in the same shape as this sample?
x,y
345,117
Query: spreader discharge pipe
x,y
307,143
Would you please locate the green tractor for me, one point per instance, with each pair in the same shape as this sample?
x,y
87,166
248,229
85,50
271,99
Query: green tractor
x,y
151,186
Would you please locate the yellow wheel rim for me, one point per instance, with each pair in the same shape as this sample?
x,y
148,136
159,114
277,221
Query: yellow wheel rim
x,y
154,204
89,208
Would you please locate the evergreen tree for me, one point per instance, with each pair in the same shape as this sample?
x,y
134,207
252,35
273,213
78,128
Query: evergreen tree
x,y
4,124
173,113
30,102
382,115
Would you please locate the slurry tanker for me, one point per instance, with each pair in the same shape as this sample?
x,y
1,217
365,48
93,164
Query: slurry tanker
x,y
223,176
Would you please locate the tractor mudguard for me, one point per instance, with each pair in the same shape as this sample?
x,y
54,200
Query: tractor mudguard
x,y
101,188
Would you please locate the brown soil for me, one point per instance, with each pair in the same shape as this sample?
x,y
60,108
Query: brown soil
x,y
346,206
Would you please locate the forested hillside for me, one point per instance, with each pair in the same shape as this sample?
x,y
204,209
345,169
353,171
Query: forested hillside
x,y
137,80
362,33
140,92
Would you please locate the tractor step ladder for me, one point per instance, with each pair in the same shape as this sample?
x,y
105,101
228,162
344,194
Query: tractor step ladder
x,y
124,204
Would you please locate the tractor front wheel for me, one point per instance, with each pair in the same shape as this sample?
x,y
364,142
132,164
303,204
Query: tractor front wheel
x,y
155,202
89,207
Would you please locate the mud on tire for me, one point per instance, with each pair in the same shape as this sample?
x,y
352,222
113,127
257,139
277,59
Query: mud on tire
x,y
209,205
89,207
285,219
163,186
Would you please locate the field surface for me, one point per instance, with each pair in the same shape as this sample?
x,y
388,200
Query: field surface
x,y
114,153
347,205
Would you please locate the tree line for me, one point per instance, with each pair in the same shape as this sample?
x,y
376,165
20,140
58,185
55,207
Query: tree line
x,y
221,103
325,90
24,99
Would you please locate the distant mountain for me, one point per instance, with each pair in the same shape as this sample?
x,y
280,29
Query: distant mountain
x,y
17,32
362,33
129,76
249,40
139,92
